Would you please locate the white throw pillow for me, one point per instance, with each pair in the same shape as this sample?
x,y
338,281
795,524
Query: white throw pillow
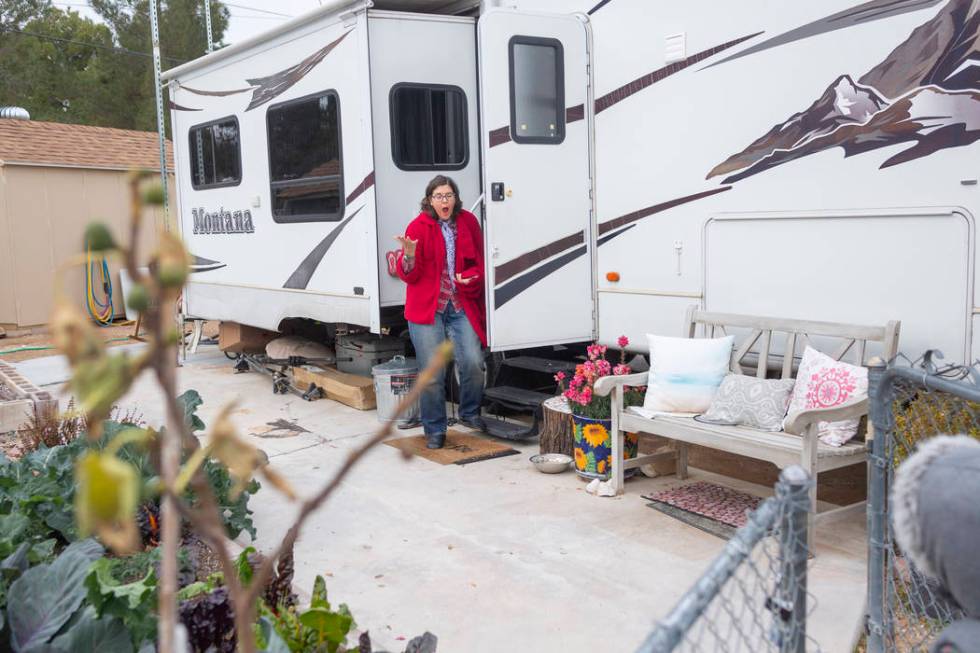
x,y
685,372
823,382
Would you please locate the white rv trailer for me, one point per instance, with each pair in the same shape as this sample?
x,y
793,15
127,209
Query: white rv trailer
x,y
808,160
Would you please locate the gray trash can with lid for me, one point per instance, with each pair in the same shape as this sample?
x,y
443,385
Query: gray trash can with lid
x,y
392,381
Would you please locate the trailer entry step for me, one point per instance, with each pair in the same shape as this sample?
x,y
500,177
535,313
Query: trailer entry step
x,y
512,397
498,428
537,364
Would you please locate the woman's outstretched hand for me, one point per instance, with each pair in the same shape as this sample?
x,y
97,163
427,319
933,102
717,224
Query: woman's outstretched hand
x,y
408,245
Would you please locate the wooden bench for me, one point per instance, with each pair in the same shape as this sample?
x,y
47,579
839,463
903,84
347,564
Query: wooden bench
x,y
754,339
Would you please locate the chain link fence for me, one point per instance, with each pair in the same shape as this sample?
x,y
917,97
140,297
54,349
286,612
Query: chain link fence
x,y
753,598
910,403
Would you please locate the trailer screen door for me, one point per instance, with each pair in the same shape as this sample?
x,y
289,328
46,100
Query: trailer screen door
x,y
534,89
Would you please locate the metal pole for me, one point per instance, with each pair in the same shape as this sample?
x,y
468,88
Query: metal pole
x,y
161,130
207,21
879,391
170,446
793,489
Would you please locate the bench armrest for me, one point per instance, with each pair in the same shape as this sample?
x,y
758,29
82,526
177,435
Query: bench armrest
x,y
605,385
796,423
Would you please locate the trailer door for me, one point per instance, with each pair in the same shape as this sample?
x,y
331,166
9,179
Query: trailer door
x,y
536,139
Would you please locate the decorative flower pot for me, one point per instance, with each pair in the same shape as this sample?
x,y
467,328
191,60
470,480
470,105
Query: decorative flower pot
x,y
593,447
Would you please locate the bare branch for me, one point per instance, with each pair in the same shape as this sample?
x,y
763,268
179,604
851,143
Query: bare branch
x,y
309,506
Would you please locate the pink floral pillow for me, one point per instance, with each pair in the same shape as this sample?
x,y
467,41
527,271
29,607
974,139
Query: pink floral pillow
x,y
823,382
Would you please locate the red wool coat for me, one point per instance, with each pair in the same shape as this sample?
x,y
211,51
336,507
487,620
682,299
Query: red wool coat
x,y
423,280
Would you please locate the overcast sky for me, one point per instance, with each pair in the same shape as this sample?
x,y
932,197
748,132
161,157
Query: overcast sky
x,y
248,17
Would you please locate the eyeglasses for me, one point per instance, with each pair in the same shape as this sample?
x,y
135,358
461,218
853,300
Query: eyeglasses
x,y
444,198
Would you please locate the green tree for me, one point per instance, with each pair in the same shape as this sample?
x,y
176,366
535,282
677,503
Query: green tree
x,y
15,13
182,37
65,68
59,77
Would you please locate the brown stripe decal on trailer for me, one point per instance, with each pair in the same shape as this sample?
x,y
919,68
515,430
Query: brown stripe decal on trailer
x,y
501,135
869,11
608,230
301,276
270,87
515,266
622,220
512,289
173,106
215,93
361,187
640,83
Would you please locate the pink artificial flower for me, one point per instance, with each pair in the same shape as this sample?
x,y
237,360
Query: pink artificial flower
x,y
623,341
585,396
621,369
560,377
604,367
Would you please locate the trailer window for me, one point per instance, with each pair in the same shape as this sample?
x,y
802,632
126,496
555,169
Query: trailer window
x,y
428,127
215,154
537,90
305,166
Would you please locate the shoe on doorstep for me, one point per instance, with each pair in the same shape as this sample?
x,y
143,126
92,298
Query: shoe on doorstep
x,y
475,422
435,441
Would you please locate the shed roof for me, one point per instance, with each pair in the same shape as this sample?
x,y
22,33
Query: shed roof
x,y
33,142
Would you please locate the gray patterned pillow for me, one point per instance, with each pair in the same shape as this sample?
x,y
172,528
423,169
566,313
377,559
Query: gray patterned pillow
x,y
748,401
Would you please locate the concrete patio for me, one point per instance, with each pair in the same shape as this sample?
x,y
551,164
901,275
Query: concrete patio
x,y
489,556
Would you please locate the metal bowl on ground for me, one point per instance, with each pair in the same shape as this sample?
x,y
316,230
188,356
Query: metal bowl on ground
x,y
551,463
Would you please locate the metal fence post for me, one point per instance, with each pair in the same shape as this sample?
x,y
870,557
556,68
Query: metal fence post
x,y
793,489
879,392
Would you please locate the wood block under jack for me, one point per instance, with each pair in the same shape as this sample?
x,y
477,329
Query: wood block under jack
x,y
349,389
239,338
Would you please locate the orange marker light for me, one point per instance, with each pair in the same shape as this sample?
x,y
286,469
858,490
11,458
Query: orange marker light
x,y
612,276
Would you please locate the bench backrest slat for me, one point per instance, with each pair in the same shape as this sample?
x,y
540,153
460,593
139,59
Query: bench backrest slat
x,y
798,335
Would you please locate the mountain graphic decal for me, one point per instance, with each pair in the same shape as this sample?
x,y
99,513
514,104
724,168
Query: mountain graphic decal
x,y
926,94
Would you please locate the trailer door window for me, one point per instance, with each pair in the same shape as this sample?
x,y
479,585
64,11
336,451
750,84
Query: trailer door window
x,y
215,154
428,127
537,90
305,166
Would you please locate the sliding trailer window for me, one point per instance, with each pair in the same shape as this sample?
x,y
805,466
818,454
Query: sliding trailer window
x,y
305,163
537,90
215,154
428,127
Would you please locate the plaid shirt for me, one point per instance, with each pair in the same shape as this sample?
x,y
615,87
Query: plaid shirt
x,y
447,291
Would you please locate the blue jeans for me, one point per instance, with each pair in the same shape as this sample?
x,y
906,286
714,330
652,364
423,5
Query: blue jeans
x,y
468,351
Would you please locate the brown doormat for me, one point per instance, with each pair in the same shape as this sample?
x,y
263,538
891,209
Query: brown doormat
x,y
460,448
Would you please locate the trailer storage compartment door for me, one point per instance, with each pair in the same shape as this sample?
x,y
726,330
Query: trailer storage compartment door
x,y
860,267
534,94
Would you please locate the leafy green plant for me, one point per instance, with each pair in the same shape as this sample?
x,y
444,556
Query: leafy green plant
x,y
45,597
317,629
131,603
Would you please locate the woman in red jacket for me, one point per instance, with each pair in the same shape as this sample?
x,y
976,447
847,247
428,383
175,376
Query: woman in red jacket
x,y
442,262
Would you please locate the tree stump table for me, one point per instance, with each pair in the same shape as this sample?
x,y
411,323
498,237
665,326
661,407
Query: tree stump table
x,y
557,432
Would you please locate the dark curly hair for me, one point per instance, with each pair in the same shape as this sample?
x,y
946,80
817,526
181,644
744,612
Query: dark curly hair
x,y
441,180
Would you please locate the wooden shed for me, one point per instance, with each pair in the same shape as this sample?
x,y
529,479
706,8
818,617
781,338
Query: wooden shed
x,y
54,179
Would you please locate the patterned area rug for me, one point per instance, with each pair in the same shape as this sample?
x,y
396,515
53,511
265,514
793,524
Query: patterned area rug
x,y
712,508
